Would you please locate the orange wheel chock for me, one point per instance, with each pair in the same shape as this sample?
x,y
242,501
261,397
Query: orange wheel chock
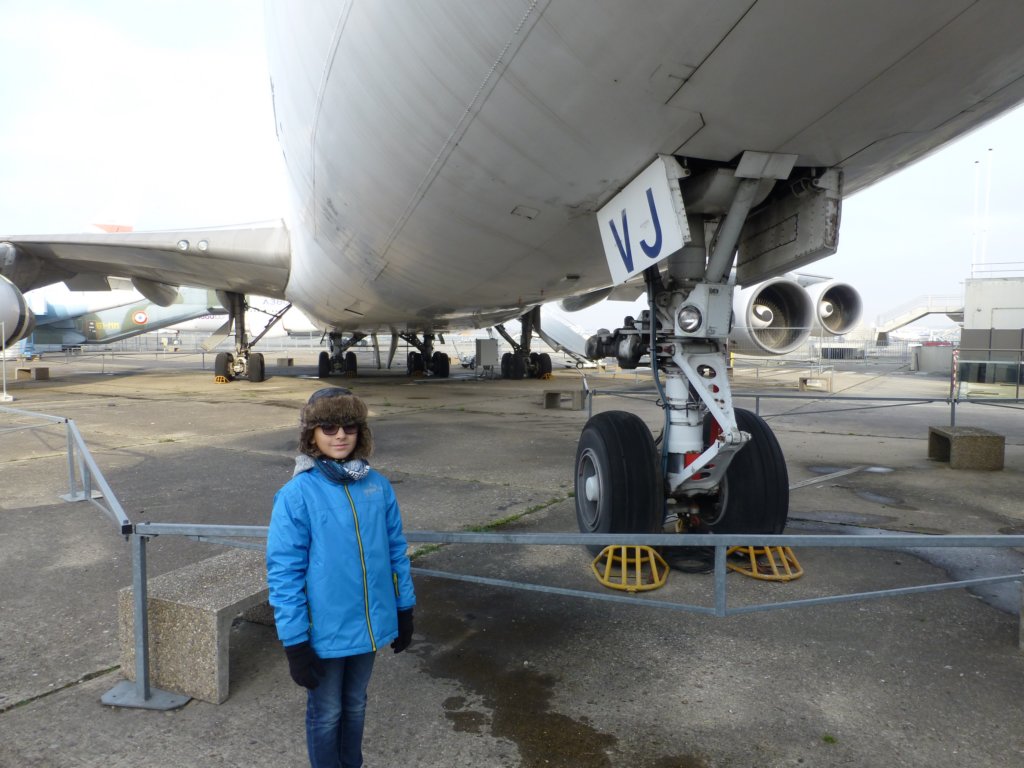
x,y
767,563
630,568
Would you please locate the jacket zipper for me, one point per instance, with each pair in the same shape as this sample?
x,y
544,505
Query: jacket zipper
x,y
362,564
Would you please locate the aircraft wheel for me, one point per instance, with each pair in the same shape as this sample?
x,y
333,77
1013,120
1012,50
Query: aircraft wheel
x,y
618,481
754,495
517,367
351,366
222,365
441,365
544,363
506,365
323,365
257,368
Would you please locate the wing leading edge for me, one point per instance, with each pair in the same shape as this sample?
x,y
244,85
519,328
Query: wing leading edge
x,y
250,258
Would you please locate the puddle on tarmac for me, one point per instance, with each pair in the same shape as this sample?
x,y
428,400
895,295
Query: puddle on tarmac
x,y
825,470
877,498
504,695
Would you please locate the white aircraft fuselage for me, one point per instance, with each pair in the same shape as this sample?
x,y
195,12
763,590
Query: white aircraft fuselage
x,y
446,160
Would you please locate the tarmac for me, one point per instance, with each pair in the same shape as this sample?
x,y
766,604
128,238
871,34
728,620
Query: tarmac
x,y
501,677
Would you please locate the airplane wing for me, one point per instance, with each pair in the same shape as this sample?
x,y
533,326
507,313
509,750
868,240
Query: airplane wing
x,y
251,258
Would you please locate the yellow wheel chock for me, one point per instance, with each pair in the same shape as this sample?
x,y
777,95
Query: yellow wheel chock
x,y
630,568
767,563
220,380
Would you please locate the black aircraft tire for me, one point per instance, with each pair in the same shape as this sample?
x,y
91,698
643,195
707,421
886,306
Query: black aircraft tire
x,y
441,365
544,363
351,366
257,368
222,365
323,365
617,457
755,491
517,367
506,365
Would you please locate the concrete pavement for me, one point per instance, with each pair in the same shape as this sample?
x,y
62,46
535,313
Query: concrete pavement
x,y
499,677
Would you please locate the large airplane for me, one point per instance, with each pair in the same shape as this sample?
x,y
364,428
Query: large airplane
x,y
460,164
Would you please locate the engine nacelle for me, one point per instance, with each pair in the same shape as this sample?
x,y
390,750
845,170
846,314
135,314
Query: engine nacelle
x,y
771,318
18,320
838,307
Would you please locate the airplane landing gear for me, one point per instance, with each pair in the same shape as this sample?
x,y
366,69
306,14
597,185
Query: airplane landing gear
x,y
340,360
719,468
521,362
426,360
244,363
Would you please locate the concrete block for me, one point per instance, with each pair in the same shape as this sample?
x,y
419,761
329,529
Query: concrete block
x,y
967,447
39,373
553,398
285,362
190,611
822,382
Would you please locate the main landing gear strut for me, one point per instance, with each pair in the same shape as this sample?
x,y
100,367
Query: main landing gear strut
x,y
521,363
340,360
244,363
425,360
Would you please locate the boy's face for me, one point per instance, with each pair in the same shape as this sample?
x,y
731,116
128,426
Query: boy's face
x,y
337,446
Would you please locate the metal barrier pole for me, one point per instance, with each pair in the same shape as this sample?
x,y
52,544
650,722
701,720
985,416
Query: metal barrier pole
x,y
140,694
72,484
140,598
720,573
5,398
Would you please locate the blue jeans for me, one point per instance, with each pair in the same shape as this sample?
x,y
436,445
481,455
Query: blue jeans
x,y
335,713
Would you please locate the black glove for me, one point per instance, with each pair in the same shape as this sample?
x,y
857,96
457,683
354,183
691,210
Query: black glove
x,y
404,631
304,665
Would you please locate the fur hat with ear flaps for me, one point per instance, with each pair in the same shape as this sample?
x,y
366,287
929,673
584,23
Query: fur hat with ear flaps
x,y
334,405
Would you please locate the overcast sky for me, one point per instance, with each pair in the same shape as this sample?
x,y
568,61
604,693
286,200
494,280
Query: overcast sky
x,y
157,113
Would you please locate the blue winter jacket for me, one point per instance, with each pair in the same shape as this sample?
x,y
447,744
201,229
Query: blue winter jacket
x,y
337,566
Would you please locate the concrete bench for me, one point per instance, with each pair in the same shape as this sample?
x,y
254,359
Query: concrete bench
x,y
966,447
576,397
39,373
190,613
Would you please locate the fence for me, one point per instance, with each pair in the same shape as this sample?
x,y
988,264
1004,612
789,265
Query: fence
x,y
86,483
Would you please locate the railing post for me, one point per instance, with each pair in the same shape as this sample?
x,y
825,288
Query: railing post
x,y
140,694
720,573
140,599
72,485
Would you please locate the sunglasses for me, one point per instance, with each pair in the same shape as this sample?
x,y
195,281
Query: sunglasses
x,y
332,429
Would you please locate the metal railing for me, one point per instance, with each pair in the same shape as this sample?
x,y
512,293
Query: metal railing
x,y
141,694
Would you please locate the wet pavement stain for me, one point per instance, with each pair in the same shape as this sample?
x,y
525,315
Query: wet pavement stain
x,y
518,698
470,648
888,501
877,498
826,470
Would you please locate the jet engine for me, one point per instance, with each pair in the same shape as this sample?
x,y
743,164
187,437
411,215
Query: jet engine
x,y
18,320
838,307
771,318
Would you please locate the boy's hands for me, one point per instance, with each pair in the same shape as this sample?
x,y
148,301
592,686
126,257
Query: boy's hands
x,y
304,665
404,631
